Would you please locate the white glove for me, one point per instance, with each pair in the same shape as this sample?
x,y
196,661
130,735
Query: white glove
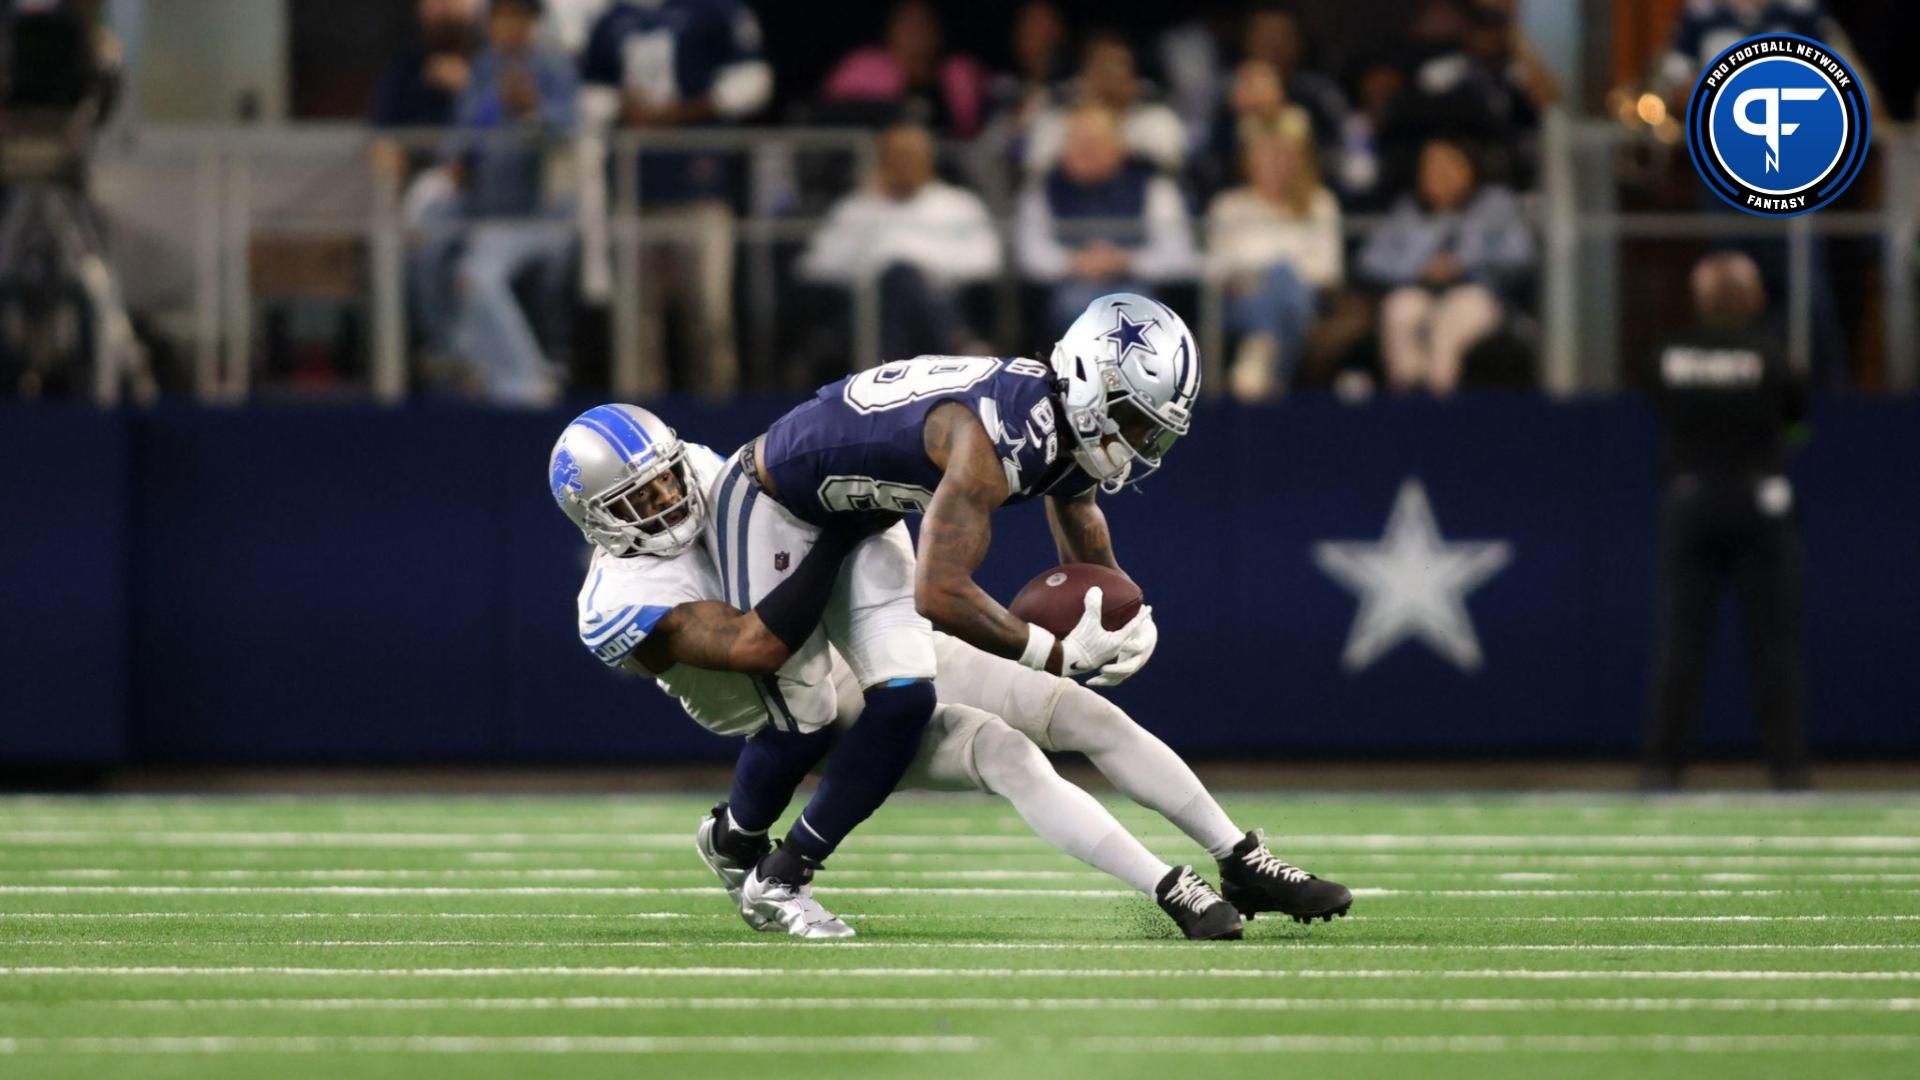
x,y
1137,645
1091,645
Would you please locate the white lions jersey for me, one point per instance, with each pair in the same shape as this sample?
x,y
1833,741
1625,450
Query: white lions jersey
x,y
623,599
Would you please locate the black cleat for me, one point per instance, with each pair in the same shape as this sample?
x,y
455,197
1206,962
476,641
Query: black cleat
x,y
1192,904
1254,880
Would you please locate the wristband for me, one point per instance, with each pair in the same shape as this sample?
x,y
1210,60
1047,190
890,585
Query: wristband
x,y
1039,650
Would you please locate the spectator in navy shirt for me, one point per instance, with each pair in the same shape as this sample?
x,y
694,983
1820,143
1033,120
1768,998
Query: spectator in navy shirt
x,y
520,98
659,65
1099,222
420,88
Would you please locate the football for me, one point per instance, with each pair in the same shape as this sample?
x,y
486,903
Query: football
x,y
1056,599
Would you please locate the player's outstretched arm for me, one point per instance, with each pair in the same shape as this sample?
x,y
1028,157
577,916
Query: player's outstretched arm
x,y
956,532
1080,530
714,636
719,637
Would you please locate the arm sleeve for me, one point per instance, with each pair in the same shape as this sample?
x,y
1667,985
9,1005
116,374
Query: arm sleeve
x,y
617,627
1169,252
600,61
1040,253
795,606
744,82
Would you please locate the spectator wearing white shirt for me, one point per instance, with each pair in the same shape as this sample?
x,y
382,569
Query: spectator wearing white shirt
x,y
1147,129
1099,223
918,237
1275,245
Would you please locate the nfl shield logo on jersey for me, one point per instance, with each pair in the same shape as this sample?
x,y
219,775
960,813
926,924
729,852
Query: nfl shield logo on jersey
x,y
781,561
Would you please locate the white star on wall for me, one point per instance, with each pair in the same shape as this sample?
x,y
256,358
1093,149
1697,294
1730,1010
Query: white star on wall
x,y
1412,584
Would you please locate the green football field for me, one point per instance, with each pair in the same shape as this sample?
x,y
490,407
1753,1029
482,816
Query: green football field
x,y
1493,936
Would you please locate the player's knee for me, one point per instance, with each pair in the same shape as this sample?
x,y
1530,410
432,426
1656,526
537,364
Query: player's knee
x,y
1006,760
1085,722
901,706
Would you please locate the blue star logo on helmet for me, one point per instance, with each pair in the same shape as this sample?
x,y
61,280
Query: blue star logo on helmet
x,y
1128,335
565,475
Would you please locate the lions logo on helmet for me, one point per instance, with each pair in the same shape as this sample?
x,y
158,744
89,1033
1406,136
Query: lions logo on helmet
x,y
1132,373
606,471
564,476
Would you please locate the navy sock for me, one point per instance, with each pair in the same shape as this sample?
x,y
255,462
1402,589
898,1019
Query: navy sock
x,y
866,765
770,767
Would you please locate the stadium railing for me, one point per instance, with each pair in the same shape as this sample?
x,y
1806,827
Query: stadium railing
x,y
190,203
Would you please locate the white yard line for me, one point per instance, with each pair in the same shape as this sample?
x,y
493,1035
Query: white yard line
x,y
759,972
991,1004
938,841
1338,946
646,915
930,1044
840,874
859,890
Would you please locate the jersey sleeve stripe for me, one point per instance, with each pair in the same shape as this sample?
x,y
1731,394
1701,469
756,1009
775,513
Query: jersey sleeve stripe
x,y
608,628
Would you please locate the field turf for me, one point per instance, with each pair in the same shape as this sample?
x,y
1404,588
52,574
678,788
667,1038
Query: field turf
x,y
1494,936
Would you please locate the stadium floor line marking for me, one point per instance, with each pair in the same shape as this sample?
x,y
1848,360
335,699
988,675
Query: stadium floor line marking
x,y
650,915
855,890
935,840
1761,975
996,1004
921,1044
963,946
974,875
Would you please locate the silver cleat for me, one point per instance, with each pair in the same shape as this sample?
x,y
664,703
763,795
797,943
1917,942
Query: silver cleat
x,y
774,906
731,874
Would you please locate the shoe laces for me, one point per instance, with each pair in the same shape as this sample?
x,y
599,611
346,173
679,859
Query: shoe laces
x,y
1262,861
1192,893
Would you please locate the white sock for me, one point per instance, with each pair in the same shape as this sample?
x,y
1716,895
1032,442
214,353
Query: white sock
x,y
733,825
1060,813
1145,769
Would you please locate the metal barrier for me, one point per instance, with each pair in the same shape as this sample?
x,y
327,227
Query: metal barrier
x,y
215,190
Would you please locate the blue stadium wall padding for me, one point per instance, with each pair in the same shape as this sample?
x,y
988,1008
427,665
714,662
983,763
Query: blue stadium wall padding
x,y
282,584
65,604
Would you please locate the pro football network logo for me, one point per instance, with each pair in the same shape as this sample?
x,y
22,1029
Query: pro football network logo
x,y
1778,125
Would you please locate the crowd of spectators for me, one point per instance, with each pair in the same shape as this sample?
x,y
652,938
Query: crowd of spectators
x,y
1111,159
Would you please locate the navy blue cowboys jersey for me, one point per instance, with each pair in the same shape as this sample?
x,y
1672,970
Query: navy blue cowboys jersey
x,y
858,445
672,50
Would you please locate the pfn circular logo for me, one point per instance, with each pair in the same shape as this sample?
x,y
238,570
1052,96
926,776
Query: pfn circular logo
x,y
1778,125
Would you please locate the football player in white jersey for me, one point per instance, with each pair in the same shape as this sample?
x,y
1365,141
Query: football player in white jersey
x,y
651,604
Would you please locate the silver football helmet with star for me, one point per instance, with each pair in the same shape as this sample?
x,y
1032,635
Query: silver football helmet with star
x,y
608,473
1132,373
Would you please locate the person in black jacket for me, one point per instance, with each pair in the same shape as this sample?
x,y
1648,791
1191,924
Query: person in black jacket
x,y
1729,405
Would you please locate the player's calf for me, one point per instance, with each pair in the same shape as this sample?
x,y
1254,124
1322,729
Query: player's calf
x,y
1254,880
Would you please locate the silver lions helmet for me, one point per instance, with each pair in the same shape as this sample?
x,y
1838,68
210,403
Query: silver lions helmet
x,y
1132,374
620,474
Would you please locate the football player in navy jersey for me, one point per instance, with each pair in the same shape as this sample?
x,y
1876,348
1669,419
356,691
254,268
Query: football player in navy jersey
x,y
954,438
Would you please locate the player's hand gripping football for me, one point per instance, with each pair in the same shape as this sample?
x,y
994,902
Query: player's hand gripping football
x,y
1091,645
1137,641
